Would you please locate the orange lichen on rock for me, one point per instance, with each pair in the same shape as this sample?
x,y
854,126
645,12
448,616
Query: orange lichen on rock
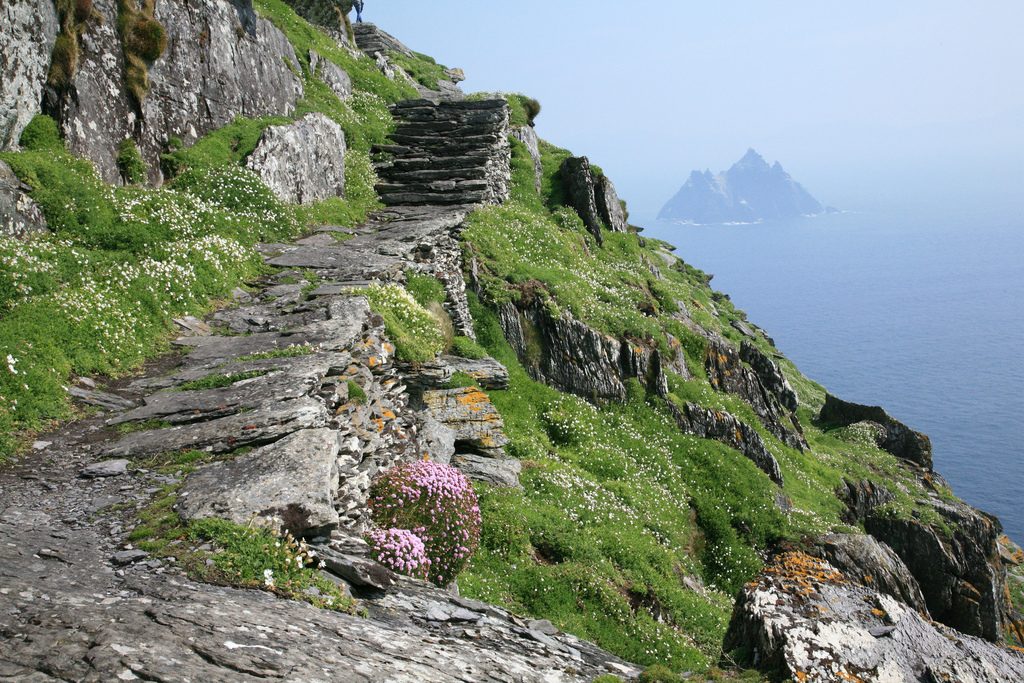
x,y
800,573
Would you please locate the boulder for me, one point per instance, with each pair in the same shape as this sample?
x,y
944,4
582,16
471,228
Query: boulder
x,y
895,437
436,441
489,373
609,207
336,78
469,412
578,183
862,559
502,472
956,563
302,162
19,215
801,619
770,375
287,486
28,29
726,428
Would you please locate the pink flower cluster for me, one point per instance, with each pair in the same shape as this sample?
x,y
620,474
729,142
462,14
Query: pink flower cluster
x,y
400,550
436,503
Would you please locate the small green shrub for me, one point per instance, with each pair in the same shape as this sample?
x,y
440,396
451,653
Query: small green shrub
x,y
356,392
41,134
426,289
130,163
657,673
63,61
414,331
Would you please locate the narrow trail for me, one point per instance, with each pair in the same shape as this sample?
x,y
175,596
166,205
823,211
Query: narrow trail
x,y
77,602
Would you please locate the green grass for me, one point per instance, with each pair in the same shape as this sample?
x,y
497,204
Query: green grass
x,y
423,69
426,289
467,348
413,329
293,351
356,393
219,381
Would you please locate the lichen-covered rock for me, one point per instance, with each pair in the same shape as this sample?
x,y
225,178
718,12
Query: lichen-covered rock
x,y
288,486
802,619
726,428
336,78
325,15
956,563
578,183
28,29
503,472
489,373
469,412
302,162
609,207
727,372
222,61
896,437
862,559
19,215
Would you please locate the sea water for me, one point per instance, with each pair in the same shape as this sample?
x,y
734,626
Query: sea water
x,y
924,317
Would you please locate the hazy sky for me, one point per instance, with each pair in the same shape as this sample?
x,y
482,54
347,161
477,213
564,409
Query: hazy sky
x,y
869,104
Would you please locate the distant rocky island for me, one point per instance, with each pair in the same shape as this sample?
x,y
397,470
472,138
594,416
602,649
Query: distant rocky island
x,y
750,192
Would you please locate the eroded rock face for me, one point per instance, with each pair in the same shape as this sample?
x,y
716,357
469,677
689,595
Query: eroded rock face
x,y
959,571
726,428
609,207
578,181
803,619
336,78
287,486
896,437
726,372
302,162
770,375
28,29
861,498
528,136
221,61
862,559
19,215
372,40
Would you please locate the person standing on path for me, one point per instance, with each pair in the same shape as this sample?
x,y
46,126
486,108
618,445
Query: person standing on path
x,y
358,5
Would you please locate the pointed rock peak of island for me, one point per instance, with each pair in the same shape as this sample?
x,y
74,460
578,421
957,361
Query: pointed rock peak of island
x,y
751,159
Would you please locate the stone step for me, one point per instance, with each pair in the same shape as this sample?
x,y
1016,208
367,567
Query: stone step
x,y
446,129
446,146
400,108
441,186
425,199
426,174
456,163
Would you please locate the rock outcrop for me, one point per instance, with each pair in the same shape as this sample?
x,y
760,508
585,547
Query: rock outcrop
x,y
28,29
447,153
609,206
861,497
573,357
726,428
894,436
578,183
528,136
727,372
374,40
862,559
802,619
302,162
222,60
19,215
336,78
770,376
955,561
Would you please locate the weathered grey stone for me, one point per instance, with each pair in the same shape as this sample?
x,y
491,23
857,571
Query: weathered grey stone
x,y
726,372
578,182
495,471
336,78
726,428
801,619
743,328
357,570
609,207
861,498
289,485
528,136
128,556
770,376
863,559
478,427
100,399
436,440
325,15
28,29
372,40
263,425
488,372
959,570
105,468
302,162
898,438
19,215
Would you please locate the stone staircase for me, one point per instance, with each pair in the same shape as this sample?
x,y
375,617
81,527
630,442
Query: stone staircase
x,y
446,153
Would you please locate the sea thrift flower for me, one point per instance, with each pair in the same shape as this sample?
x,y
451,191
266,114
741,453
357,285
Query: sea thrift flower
x,y
436,503
400,550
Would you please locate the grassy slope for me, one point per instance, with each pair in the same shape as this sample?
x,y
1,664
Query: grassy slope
x,y
621,518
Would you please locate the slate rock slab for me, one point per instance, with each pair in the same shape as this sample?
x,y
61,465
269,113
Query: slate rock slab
x,y
287,486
